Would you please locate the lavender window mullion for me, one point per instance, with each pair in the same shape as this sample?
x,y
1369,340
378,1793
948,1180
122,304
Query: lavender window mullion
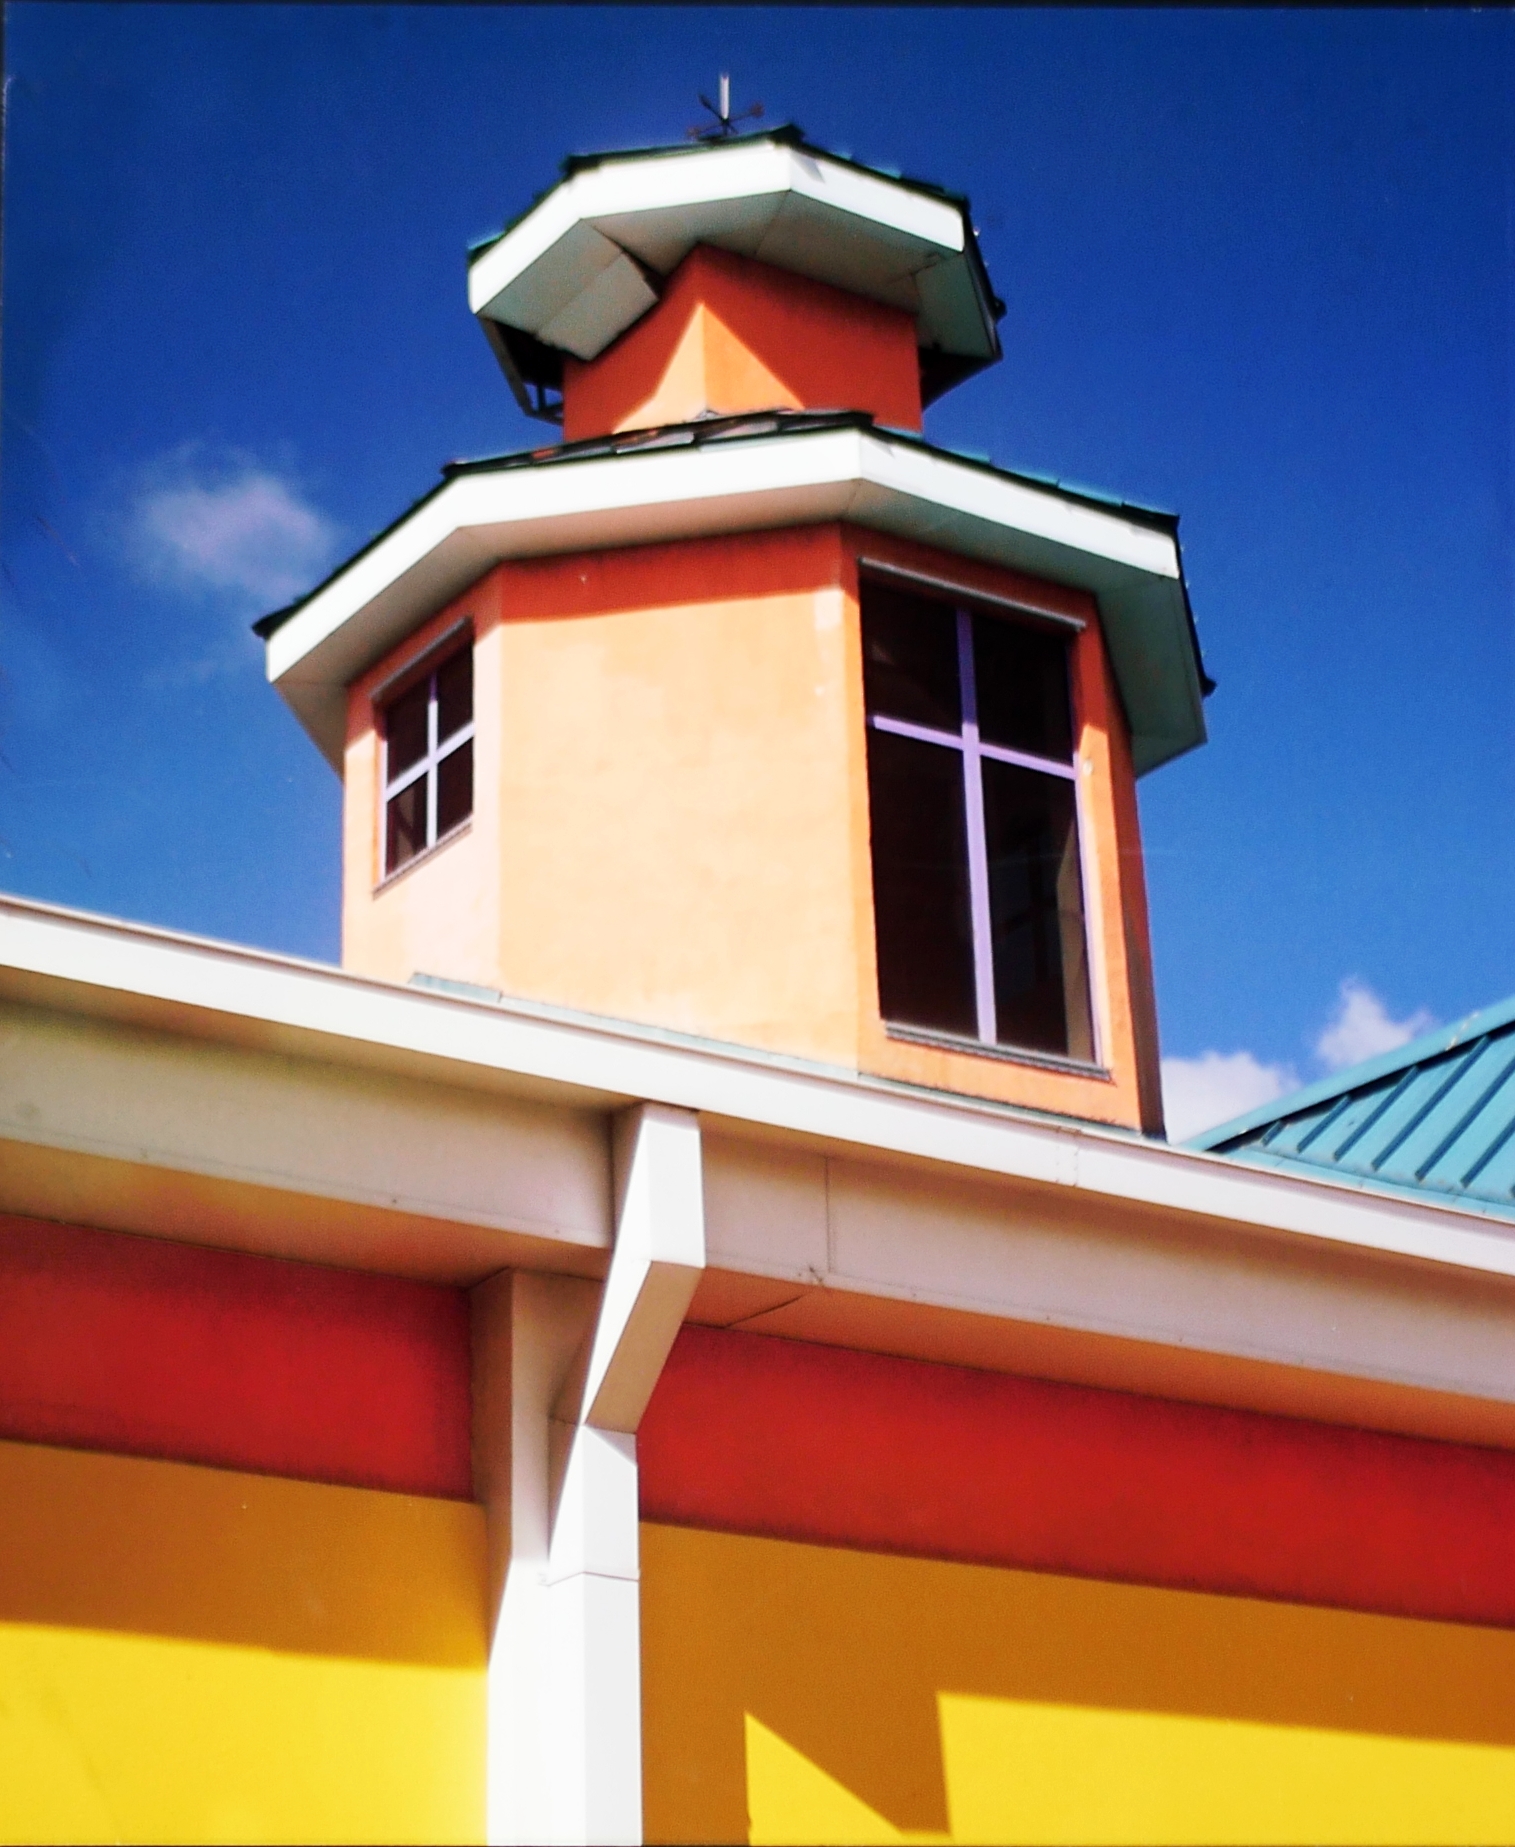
x,y
455,741
902,727
1044,766
1001,753
978,856
407,777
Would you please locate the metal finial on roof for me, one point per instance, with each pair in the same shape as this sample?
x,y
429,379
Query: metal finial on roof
x,y
725,121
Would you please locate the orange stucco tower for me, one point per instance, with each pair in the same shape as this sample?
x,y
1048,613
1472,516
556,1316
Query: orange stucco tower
x,y
745,712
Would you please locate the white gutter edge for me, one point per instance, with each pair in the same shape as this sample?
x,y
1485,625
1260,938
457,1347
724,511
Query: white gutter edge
x,y
618,1064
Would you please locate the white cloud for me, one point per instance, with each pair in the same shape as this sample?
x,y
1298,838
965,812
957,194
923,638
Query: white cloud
x,y
1361,1028
225,523
1200,1092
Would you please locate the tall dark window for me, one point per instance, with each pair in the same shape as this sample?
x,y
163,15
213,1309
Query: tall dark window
x,y
428,760
973,798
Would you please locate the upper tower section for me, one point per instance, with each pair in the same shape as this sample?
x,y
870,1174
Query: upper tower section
x,y
757,274
745,711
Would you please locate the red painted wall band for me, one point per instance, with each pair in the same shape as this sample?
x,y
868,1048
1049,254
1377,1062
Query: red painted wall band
x,y
747,1433
150,1348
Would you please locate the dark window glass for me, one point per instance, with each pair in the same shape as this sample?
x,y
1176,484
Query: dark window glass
x,y
1021,675
910,658
405,825
1036,910
454,694
454,788
405,729
1009,919
920,883
417,729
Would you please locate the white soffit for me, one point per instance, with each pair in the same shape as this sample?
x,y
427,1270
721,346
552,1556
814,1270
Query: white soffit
x,y
480,519
571,272
198,989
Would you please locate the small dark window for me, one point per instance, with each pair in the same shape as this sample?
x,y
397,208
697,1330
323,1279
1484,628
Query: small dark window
x,y
973,800
428,760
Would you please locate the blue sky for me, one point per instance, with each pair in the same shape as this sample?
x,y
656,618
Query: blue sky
x,y
1258,268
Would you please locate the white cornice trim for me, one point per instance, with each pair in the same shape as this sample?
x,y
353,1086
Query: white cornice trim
x,y
196,989
480,519
631,188
569,272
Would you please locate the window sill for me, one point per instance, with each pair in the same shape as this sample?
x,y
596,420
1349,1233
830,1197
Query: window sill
x,y
1002,1054
391,879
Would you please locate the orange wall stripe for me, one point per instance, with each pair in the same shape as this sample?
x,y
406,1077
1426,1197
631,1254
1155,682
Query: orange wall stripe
x,y
751,1434
770,340
149,1348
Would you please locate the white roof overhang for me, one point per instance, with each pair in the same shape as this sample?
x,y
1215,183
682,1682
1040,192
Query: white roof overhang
x,y
194,1090
211,993
575,271
593,503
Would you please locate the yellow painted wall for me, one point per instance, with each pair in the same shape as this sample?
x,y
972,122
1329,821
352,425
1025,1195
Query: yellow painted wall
x,y
193,1654
803,1693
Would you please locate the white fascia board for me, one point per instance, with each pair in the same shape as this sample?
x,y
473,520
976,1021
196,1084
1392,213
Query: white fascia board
x,y
479,520
622,189
877,200
344,1018
944,486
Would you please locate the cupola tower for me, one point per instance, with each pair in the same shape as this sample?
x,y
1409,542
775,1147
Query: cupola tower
x,y
744,711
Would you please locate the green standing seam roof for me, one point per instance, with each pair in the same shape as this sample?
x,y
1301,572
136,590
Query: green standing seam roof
x,y
1436,1117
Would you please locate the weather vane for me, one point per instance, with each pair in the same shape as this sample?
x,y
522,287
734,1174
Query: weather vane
x,y
725,121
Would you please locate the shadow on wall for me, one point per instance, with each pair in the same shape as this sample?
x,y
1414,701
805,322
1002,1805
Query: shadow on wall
x,y
807,1693
193,1654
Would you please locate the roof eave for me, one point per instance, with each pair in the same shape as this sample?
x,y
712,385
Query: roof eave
x,y
510,278
225,993
842,473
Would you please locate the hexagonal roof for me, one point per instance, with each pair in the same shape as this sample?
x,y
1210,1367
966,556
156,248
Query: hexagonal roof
x,y
586,262
751,473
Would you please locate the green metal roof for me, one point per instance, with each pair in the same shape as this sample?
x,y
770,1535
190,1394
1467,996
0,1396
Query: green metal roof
x,y
1435,1117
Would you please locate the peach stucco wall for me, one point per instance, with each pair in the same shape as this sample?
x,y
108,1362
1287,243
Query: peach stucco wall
x,y
730,335
671,812
675,798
